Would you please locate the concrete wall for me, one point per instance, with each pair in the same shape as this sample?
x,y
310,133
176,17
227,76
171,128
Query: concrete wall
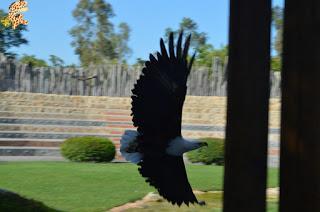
x,y
36,124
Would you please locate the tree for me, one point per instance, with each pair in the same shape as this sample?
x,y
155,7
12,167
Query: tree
x,y
94,38
140,62
189,26
72,65
277,22
276,63
205,51
10,37
56,61
33,61
121,41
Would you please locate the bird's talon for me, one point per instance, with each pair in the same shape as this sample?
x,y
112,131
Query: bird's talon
x,y
202,203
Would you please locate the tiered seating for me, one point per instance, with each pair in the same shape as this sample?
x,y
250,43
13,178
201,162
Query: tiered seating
x,y
34,125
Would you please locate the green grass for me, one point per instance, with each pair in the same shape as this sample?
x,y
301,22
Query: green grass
x,y
68,186
213,204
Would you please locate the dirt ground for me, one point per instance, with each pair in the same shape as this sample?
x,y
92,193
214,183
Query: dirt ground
x,y
213,199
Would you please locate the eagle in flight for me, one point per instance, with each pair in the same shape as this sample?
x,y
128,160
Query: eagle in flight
x,y
157,100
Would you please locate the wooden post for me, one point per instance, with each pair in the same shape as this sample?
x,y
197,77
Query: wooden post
x,y
248,100
300,119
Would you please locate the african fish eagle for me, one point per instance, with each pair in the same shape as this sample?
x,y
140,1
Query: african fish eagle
x,y
157,100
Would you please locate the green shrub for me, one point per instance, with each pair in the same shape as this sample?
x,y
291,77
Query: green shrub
x,y
88,148
214,153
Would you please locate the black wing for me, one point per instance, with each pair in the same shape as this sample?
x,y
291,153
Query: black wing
x,y
168,175
158,96
157,103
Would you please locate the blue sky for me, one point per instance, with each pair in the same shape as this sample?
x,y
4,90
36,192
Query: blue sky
x,y
50,21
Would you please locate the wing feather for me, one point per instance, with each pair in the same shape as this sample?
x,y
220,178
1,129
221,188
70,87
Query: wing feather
x,y
186,47
163,49
168,175
179,49
157,102
159,94
171,46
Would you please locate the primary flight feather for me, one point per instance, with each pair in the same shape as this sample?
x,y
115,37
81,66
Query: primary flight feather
x,y
157,101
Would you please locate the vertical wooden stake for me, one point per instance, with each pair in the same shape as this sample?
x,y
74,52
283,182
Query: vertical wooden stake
x,y
248,101
300,119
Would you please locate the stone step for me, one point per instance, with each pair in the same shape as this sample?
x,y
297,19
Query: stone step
x,y
106,128
101,105
56,128
274,144
41,142
63,133
30,151
54,119
215,120
49,135
83,101
95,111
55,97
30,142
40,115
63,105
273,161
73,110
43,139
103,116
55,122
195,118
103,102
49,152
187,107
187,118
38,125
37,97
36,143
274,151
274,135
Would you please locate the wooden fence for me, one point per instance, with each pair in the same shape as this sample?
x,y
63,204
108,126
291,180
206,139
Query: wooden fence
x,y
107,80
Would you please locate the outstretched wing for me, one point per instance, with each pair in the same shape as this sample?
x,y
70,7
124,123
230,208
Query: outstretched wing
x,y
157,103
168,175
158,96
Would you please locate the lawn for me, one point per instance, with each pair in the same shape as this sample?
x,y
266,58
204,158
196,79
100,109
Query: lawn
x,y
213,204
67,186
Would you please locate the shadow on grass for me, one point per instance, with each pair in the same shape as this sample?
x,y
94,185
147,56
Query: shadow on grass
x,y
10,201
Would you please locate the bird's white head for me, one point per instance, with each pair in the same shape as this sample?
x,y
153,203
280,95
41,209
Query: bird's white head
x,y
179,145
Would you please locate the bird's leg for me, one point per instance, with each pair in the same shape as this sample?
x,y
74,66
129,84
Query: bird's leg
x,y
202,203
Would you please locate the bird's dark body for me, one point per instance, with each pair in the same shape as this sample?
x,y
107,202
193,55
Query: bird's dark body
x,y
157,102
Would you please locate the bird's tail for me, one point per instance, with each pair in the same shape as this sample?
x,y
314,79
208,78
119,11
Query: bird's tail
x,y
128,145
